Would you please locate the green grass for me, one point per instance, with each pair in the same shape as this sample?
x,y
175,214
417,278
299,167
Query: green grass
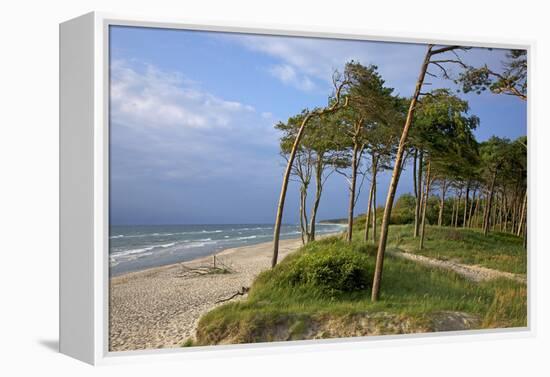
x,y
412,295
500,251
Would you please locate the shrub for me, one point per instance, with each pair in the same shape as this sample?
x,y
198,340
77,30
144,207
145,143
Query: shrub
x,y
331,272
403,211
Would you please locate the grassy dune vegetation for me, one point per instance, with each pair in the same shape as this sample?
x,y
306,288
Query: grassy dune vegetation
x,y
323,291
499,251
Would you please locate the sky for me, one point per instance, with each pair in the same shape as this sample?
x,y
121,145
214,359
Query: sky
x,y
192,115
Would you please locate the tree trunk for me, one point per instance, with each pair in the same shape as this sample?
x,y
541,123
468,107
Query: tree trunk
x,y
518,211
455,209
453,212
476,210
466,204
418,203
506,212
500,211
282,197
354,164
395,179
369,210
424,205
513,210
442,203
374,209
471,211
489,204
371,195
318,192
303,221
523,211
284,186
495,212
484,209
458,207
415,186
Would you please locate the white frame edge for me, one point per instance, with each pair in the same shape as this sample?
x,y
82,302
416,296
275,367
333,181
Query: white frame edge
x,y
84,215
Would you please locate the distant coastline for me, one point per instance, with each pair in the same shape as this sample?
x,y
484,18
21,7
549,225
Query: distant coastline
x,y
140,247
334,222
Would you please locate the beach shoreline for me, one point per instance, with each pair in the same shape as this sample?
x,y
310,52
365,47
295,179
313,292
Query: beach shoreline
x,y
139,247
159,307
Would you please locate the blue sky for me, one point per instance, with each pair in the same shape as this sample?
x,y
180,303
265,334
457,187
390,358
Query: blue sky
x,y
192,115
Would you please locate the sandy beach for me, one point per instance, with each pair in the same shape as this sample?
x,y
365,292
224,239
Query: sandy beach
x,y
159,307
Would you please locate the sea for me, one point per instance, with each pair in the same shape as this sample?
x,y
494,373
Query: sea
x,y
138,247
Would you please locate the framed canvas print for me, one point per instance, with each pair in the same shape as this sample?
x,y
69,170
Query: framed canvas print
x,y
234,189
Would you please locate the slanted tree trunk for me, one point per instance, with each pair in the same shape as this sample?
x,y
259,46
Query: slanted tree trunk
x,y
418,202
442,203
424,206
318,192
282,196
487,219
354,165
284,186
377,279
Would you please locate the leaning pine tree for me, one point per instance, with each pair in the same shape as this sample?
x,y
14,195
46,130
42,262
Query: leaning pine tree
x,y
431,52
338,101
372,108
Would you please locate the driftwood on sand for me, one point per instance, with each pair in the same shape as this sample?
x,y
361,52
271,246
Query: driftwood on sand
x,y
242,292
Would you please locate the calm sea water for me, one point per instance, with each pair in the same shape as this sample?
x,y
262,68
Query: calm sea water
x,y
137,247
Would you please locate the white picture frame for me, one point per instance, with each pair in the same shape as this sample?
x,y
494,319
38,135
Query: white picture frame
x,y
84,187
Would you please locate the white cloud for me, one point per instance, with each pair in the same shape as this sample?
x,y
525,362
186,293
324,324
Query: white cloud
x,y
287,74
153,98
308,63
166,127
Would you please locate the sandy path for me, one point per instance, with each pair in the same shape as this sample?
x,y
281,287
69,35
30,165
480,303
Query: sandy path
x,y
159,307
471,272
